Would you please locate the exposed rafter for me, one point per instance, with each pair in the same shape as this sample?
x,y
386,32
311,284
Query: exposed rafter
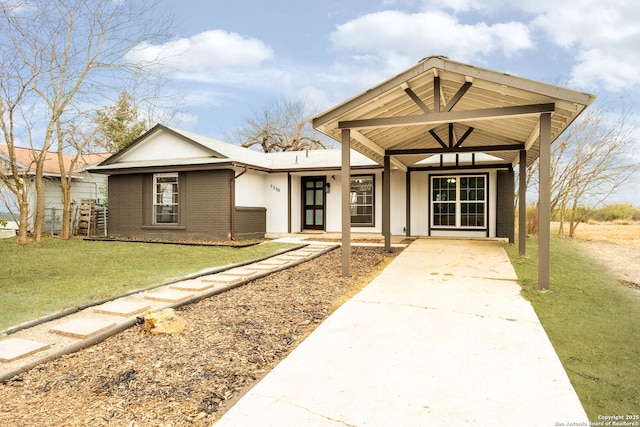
x,y
376,149
437,138
450,116
415,98
465,136
453,101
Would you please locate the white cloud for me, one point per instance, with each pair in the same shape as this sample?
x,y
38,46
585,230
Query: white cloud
x,y
204,53
394,35
602,37
611,71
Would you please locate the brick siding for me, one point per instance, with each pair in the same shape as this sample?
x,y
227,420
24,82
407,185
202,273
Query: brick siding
x,y
505,210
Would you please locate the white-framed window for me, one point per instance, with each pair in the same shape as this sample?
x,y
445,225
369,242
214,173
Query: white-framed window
x,y
165,198
362,200
459,201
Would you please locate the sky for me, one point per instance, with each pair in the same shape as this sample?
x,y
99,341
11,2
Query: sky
x,y
228,60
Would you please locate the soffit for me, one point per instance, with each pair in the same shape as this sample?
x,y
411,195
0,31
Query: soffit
x,y
427,89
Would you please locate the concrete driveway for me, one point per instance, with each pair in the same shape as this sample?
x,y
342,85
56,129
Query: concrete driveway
x,y
441,337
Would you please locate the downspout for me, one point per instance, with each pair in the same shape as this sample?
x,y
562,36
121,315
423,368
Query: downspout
x,y
232,190
289,202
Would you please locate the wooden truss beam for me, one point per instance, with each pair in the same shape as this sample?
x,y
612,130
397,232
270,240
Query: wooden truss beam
x,y
376,149
415,98
452,139
449,117
453,101
478,149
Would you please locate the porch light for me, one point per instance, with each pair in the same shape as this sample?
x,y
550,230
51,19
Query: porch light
x,y
327,187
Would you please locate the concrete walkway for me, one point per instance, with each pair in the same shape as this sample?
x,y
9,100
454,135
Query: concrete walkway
x,y
441,337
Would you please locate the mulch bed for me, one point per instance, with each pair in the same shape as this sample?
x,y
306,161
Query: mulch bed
x,y
233,339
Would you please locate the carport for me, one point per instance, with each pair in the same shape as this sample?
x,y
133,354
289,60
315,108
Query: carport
x,y
443,107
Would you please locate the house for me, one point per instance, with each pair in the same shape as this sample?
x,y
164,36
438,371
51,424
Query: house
x,y
429,152
84,185
174,184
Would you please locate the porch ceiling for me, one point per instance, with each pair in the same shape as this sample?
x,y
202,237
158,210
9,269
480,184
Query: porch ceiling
x,y
443,106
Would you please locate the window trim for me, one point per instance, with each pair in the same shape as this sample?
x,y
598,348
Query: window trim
x,y
373,201
459,202
154,203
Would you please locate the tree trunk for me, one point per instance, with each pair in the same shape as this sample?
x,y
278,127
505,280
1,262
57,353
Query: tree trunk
x,y
23,223
65,186
38,222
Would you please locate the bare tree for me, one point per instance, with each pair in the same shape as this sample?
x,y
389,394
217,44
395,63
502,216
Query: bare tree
x,y
281,126
592,160
62,55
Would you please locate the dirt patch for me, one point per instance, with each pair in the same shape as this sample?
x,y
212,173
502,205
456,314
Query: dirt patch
x,y
617,245
622,257
233,339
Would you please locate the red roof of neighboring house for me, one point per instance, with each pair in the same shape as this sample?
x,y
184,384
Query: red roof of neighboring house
x,y
26,158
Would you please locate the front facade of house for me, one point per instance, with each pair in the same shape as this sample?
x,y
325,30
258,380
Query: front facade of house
x,y
428,152
176,185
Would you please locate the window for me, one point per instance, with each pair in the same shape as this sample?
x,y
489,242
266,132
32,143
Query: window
x,y
444,201
472,201
459,201
362,207
165,198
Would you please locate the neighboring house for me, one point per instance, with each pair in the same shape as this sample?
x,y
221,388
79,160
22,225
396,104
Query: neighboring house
x,y
84,185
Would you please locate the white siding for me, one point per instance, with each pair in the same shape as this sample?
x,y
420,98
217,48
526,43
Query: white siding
x,y
296,204
277,191
398,202
251,189
162,146
419,203
334,203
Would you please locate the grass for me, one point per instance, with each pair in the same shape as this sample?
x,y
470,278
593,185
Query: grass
x,y
37,280
593,322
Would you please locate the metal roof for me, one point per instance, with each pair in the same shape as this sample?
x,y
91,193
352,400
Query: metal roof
x,y
443,106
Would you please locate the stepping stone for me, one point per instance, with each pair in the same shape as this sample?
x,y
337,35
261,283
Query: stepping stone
x,y
192,285
168,295
15,348
291,257
242,272
223,279
272,261
302,253
317,248
122,308
82,327
263,267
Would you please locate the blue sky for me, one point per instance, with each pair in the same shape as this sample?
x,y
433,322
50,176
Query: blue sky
x,y
229,59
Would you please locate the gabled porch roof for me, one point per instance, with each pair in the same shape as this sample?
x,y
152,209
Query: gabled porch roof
x,y
444,106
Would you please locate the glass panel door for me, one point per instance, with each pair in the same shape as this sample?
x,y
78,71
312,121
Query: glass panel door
x,y
313,209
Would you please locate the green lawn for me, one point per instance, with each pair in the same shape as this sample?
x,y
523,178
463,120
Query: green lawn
x,y
593,322
37,280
